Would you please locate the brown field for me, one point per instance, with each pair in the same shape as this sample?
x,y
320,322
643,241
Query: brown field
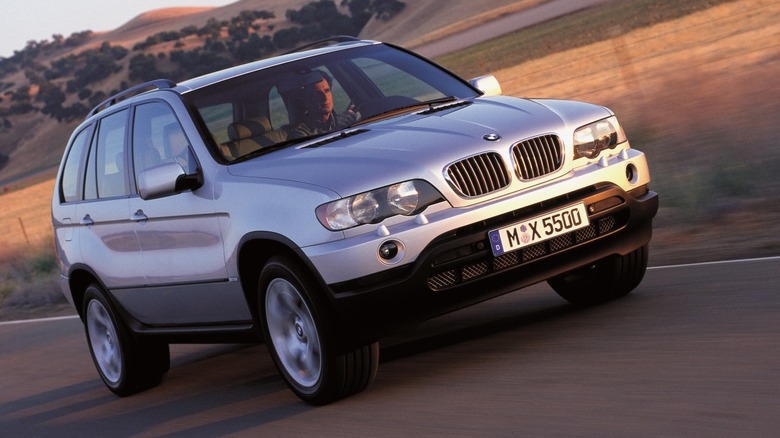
x,y
699,94
422,22
26,222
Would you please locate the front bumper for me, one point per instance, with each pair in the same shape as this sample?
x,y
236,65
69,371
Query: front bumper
x,y
458,269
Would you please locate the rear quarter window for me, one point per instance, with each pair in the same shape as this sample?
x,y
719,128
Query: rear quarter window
x,y
69,184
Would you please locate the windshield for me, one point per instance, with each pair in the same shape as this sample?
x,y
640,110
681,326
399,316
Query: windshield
x,y
283,105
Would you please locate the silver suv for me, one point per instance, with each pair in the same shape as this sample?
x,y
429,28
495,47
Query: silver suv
x,y
323,199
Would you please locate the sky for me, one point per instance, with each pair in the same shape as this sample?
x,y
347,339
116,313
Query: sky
x,y
36,20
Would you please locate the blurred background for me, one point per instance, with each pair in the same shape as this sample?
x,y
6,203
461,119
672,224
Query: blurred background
x,y
695,85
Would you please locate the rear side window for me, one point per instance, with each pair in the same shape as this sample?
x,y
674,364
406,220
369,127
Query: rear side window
x,y
108,163
69,185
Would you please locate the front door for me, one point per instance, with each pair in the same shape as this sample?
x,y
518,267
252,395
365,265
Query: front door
x,y
183,254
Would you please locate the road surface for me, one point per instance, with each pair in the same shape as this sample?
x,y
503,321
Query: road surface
x,y
695,350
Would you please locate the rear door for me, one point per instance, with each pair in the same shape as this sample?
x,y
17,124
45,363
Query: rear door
x,y
107,236
69,192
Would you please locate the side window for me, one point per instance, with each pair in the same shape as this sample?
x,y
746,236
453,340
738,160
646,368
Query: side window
x,y
69,185
340,97
158,137
277,109
217,118
110,166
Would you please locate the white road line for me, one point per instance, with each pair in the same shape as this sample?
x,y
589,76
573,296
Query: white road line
x,y
651,268
25,321
723,262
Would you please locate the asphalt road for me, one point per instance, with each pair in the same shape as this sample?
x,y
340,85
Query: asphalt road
x,y
694,351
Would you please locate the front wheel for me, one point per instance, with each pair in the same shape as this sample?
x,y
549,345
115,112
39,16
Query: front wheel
x,y
605,280
313,363
125,365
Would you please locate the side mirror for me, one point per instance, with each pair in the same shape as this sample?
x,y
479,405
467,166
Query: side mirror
x,y
165,180
488,85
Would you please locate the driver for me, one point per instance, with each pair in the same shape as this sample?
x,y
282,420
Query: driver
x,y
316,99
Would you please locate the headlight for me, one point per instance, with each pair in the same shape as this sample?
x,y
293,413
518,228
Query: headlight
x,y
365,207
590,140
403,198
406,198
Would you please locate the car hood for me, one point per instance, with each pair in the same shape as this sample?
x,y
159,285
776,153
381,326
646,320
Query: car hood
x,y
417,145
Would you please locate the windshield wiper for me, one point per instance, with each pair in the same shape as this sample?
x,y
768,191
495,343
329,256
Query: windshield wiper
x,y
277,146
405,109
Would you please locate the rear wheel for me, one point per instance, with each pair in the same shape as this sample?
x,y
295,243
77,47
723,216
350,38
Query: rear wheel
x,y
125,365
605,280
316,366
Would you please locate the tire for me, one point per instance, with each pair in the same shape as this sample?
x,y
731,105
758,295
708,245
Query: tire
x,y
607,279
125,365
316,366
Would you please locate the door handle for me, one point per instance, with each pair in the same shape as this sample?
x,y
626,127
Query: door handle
x,y
87,220
139,216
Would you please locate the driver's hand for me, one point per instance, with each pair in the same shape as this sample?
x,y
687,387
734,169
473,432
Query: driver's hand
x,y
349,116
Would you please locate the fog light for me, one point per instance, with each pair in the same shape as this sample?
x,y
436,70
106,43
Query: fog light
x,y
631,173
388,250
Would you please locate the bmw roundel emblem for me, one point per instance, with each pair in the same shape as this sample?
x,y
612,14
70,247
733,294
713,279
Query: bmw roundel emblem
x,y
491,137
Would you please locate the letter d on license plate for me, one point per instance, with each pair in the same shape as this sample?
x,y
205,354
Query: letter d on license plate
x,y
538,229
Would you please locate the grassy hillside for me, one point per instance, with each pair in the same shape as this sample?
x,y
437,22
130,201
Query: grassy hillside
x,y
700,95
47,87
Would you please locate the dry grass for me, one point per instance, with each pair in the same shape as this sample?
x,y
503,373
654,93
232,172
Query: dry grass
x,y
422,22
28,272
700,95
26,220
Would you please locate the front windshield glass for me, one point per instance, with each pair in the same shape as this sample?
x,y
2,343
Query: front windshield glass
x,y
282,105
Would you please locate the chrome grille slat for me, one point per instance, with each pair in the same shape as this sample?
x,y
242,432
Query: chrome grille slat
x,y
483,175
475,172
478,175
538,156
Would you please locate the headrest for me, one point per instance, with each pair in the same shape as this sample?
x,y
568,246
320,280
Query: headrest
x,y
248,128
301,79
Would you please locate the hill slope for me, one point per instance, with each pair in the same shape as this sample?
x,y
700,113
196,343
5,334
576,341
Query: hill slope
x,y
31,143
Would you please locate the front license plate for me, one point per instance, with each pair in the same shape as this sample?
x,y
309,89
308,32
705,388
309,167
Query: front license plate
x,y
538,229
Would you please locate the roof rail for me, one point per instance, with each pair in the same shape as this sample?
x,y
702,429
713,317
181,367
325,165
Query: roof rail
x,y
324,43
132,91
